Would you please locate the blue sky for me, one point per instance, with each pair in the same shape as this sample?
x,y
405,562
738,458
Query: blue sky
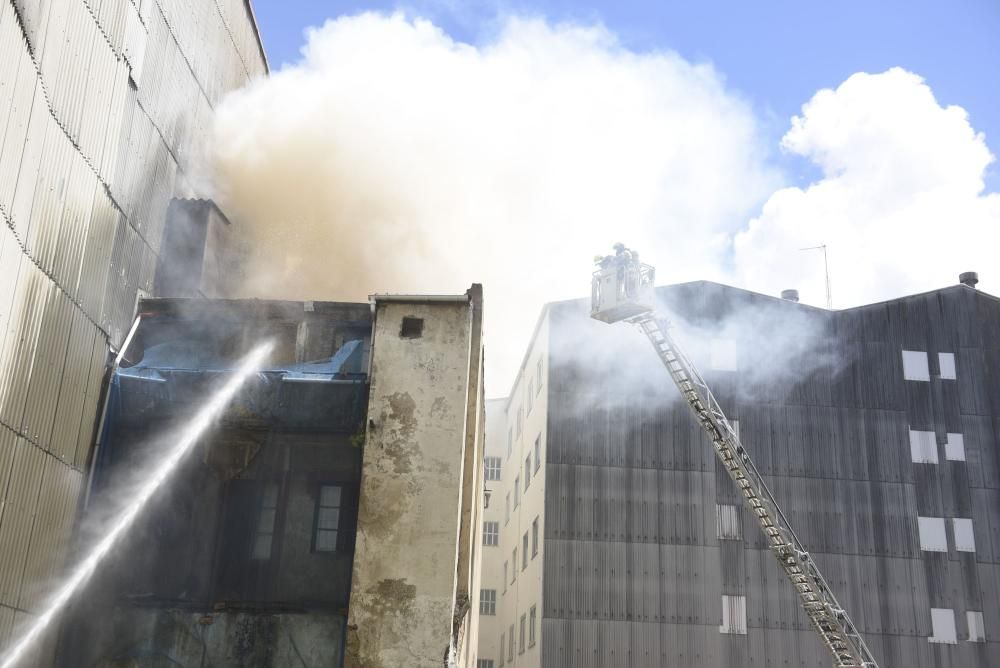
x,y
776,53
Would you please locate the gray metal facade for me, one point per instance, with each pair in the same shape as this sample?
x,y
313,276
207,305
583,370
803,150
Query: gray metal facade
x,y
104,107
634,572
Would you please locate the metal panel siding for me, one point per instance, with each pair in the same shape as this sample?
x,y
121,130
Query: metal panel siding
x,y
20,504
47,368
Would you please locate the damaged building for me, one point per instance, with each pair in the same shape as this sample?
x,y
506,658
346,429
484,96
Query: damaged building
x,y
331,516
617,538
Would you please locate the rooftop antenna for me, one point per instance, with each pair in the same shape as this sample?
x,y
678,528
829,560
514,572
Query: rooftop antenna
x,y
826,267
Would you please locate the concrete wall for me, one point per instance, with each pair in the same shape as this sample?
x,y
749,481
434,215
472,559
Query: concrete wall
x,y
408,605
104,109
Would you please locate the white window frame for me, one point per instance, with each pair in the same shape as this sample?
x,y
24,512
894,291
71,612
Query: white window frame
x,y
943,626
727,522
965,536
954,449
488,602
932,534
734,614
923,447
946,364
915,365
492,467
976,625
491,533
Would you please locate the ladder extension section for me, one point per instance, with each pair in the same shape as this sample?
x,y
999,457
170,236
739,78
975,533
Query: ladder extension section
x,y
828,617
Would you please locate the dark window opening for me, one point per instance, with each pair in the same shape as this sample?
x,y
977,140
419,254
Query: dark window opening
x,y
413,328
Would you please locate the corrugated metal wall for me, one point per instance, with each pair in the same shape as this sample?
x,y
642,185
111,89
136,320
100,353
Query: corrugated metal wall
x,y
103,106
634,572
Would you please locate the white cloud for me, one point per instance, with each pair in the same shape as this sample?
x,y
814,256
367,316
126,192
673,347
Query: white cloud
x,y
393,158
900,204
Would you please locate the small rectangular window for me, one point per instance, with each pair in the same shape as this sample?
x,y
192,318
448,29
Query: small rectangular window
x,y
412,328
491,466
977,629
484,663
513,564
524,551
534,538
487,601
266,519
943,626
510,644
965,539
932,536
533,622
491,534
505,577
328,518
915,365
503,644
947,363
727,522
538,452
520,644
723,355
517,490
734,614
506,513
923,447
954,449
527,472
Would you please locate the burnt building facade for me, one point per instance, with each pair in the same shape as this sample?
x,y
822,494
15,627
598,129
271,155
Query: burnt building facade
x,y
624,542
285,538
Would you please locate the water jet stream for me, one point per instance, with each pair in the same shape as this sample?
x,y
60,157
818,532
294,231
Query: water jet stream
x,y
185,441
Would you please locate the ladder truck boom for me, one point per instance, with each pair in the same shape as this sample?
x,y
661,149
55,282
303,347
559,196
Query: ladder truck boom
x,y
622,290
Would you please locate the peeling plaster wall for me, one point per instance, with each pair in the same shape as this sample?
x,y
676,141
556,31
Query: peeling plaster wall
x,y
405,596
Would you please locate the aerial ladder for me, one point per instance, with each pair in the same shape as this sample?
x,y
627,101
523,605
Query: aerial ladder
x,y
622,291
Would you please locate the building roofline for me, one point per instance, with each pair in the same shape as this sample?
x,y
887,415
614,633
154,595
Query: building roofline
x,y
527,350
256,32
418,299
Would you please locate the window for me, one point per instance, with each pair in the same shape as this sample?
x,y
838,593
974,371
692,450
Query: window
x,y
510,441
524,551
484,663
946,361
923,447
727,522
487,601
954,448
965,540
734,614
533,622
412,328
538,375
520,636
977,630
264,535
513,563
538,452
505,577
915,365
502,639
527,472
534,538
491,534
932,538
520,420
531,395
491,466
510,644
517,490
327,518
723,355
506,512
943,626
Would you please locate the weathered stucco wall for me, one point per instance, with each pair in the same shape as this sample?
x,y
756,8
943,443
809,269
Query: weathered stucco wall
x,y
406,605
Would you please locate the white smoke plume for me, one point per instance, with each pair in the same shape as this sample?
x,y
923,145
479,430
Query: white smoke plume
x,y
392,158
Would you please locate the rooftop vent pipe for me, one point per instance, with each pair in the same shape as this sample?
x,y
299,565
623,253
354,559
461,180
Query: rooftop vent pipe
x,y
969,278
792,295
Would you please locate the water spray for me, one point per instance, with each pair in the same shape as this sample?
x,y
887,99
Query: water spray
x,y
185,441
